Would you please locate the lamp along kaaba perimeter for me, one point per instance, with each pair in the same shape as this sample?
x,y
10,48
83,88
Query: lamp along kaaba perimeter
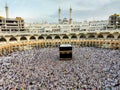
x,y
65,51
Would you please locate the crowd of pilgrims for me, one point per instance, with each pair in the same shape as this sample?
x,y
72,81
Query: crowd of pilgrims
x,y
40,69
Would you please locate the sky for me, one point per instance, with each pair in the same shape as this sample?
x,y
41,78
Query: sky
x,y
37,11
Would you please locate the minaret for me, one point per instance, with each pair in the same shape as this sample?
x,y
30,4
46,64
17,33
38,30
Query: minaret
x,y
59,15
6,9
70,20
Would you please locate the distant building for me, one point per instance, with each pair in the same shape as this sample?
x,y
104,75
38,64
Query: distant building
x,y
63,25
114,21
84,26
65,21
13,24
98,25
22,36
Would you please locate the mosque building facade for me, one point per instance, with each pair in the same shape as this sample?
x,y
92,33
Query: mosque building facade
x,y
15,34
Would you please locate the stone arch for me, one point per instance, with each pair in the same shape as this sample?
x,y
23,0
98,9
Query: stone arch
x,y
65,37
82,36
119,37
32,38
49,37
73,37
12,39
57,37
100,36
91,36
110,36
2,39
23,38
40,37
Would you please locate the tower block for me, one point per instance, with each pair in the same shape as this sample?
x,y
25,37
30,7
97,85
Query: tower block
x,y
70,20
6,10
59,15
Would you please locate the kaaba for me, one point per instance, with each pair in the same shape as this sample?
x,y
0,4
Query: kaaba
x,y
65,51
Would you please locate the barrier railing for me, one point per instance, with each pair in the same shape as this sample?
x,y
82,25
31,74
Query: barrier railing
x,y
61,32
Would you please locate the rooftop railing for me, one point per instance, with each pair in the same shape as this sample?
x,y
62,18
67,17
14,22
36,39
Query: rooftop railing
x,y
57,32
